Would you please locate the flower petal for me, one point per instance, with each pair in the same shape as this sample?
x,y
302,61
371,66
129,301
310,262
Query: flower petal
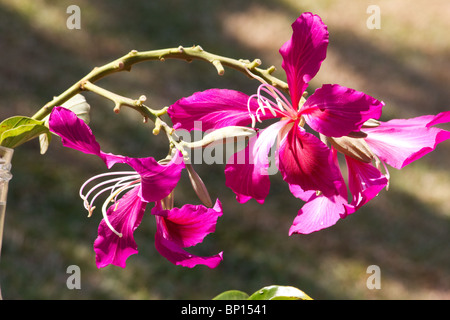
x,y
178,256
212,109
124,216
178,228
336,111
399,142
307,162
246,172
157,180
364,181
76,134
318,213
190,224
303,53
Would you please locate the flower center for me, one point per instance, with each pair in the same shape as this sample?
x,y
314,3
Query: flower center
x,y
122,181
275,102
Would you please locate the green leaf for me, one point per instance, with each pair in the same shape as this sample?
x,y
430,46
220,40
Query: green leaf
x,y
232,295
279,293
17,130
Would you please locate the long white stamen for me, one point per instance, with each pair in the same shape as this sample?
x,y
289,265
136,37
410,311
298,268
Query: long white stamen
x,y
252,116
110,199
117,183
282,102
270,98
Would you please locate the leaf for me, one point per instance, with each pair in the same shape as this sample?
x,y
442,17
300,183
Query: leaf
x,y
279,293
266,293
17,130
232,295
79,106
44,141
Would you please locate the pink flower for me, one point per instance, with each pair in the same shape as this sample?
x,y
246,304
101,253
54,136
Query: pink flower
x,y
304,161
149,182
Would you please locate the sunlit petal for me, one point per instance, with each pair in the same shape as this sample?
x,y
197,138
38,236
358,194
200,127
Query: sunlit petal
x,y
305,161
185,227
303,53
246,171
157,180
399,142
336,111
124,216
212,109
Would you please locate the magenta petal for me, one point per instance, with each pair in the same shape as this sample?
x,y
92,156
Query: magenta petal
x,y
76,134
399,142
125,216
318,213
157,180
364,181
246,172
336,111
188,226
212,109
303,53
307,162
180,257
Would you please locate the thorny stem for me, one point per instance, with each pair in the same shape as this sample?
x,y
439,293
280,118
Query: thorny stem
x,y
127,61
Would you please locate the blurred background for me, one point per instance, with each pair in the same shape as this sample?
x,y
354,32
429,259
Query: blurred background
x,y
404,231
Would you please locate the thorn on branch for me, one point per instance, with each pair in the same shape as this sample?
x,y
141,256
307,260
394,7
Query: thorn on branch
x,y
255,63
139,102
157,126
271,69
219,67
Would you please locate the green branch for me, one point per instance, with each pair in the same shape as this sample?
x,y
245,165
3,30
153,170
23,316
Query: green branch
x,y
251,68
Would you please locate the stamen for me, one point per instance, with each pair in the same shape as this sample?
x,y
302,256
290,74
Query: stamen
x,y
252,116
110,199
117,183
282,102
276,103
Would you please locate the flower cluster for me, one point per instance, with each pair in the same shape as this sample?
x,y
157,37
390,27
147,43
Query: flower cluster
x,y
311,134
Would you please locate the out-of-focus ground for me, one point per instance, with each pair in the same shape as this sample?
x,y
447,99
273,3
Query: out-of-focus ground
x,y
404,231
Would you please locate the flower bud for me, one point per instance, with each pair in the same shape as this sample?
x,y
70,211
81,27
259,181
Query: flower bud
x,y
220,136
199,186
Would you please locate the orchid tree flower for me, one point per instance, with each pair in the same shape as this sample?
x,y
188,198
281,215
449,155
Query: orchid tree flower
x,y
305,162
148,182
